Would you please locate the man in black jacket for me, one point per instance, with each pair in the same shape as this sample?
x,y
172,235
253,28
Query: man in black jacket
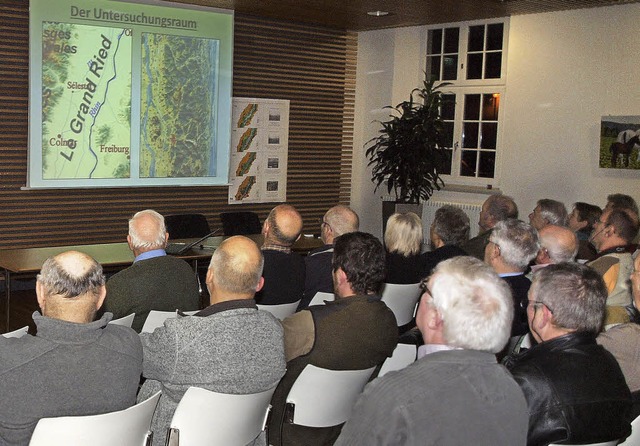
x,y
574,388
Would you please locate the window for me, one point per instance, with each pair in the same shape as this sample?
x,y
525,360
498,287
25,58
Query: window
x,y
471,58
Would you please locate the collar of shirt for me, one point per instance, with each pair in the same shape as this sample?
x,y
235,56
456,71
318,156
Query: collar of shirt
x,y
150,255
510,274
427,349
280,248
227,305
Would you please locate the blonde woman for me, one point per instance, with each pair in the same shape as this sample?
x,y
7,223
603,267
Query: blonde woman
x,y
403,241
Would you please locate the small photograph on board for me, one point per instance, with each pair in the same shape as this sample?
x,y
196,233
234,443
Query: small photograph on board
x,y
273,163
272,186
620,142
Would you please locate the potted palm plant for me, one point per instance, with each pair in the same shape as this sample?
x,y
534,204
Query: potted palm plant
x,y
409,153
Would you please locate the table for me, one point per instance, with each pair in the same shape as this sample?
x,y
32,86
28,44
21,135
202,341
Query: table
x,y
28,261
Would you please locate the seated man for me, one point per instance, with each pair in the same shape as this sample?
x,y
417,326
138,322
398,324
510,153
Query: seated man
x,y
581,221
548,212
73,366
449,230
557,244
512,245
337,221
354,332
283,270
612,237
574,388
155,281
229,347
495,209
455,393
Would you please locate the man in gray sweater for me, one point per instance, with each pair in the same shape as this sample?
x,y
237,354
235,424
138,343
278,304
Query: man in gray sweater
x,y
73,366
229,347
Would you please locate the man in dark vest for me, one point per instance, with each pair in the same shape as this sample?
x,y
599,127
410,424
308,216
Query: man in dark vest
x,y
354,332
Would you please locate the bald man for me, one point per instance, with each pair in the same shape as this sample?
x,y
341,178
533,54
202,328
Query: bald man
x,y
73,366
284,271
155,281
229,347
336,221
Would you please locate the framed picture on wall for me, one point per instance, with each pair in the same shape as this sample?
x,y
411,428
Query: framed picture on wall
x,y
620,142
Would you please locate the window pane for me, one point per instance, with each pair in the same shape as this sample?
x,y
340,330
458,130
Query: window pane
x,y
435,41
470,135
474,66
493,66
487,164
446,167
476,38
489,135
450,69
471,107
494,36
490,107
451,38
433,67
448,110
448,133
468,163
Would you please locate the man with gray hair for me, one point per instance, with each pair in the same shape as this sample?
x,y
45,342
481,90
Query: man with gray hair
x,y
455,393
557,244
155,281
548,212
512,245
336,221
495,209
74,365
574,388
229,347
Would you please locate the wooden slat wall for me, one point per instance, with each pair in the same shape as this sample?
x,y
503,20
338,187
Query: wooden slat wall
x,y
312,67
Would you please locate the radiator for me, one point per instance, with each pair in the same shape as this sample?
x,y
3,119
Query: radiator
x,y
429,211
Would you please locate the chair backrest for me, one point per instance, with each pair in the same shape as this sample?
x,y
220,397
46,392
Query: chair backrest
x,y
634,438
606,443
210,418
128,427
402,300
20,332
320,297
322,397
156,319
126,320
403,355
280,311
186,225
240,223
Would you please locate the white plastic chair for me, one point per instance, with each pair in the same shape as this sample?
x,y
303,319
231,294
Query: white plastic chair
x,y
403,355
634,438
20,332
402,300
126,320
321,297
128,427
322,397
280,311
209,418
606,443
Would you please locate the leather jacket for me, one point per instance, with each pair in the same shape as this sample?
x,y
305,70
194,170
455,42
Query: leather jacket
x,y
575,391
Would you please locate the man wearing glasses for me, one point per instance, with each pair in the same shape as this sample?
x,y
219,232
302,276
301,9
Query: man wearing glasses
x,y
574,388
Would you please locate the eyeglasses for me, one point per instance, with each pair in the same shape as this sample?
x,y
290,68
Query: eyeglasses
x,y
497,246
537,303
324,223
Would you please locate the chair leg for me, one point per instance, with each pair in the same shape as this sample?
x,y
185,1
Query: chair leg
x,y
173,437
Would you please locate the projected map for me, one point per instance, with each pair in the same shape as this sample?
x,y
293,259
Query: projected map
x,y
177,129
86,101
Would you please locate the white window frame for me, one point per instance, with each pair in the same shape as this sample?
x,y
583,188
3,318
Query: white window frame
x,y
462,86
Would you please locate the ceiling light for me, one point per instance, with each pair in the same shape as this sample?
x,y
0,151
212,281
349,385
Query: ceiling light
x,y
378,13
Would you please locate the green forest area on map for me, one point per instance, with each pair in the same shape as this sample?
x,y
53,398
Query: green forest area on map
x,y
177,106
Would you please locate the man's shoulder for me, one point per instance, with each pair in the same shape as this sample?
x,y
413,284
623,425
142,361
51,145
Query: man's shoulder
x,y
320,253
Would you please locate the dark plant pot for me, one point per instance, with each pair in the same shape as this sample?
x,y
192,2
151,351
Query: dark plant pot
x,y
391,207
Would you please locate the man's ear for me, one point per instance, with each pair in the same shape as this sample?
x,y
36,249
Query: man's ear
x,y
40,295
166,237
101,295
260,284
434,320
341,276
129,242
209,277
